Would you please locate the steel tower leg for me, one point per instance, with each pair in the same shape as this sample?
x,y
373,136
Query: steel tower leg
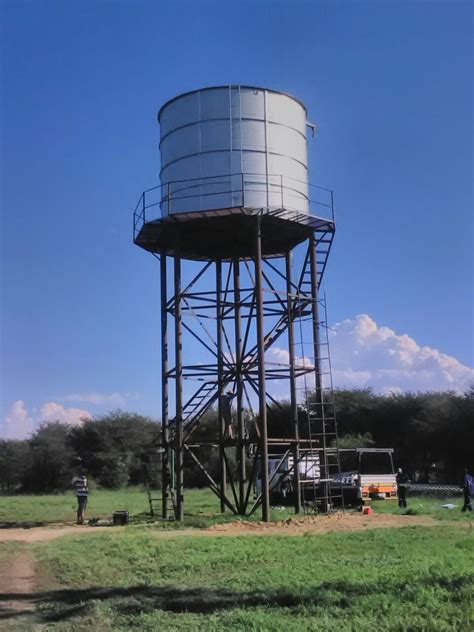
x,y
293,399
239,385
165,463
261,372
220,373
179,449
317,369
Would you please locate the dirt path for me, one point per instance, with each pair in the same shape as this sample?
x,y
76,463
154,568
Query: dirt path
x,y
17,576
44,534
292,526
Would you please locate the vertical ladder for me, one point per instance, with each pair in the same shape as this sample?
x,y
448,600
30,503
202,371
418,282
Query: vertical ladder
x,y
156,505
324,492
155,500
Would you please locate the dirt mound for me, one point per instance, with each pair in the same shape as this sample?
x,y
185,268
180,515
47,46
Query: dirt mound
x,y
323,524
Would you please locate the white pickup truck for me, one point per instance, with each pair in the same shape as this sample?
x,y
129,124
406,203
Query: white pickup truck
x,y
372,475
366,473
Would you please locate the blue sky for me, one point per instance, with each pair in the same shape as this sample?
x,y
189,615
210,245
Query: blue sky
x,y
390,87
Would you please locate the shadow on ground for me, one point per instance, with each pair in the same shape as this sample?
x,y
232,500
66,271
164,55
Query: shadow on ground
x,y
24,524
57,605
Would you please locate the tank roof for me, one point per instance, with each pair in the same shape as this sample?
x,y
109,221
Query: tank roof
x,y
230,85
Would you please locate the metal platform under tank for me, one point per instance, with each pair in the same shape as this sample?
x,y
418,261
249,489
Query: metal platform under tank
x,y
227,233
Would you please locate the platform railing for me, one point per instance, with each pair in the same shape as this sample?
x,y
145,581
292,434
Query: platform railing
x,y
235,190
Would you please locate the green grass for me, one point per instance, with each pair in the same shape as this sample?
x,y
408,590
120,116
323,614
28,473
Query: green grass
x,y
62,507
201,507
102,504
426,506
387,579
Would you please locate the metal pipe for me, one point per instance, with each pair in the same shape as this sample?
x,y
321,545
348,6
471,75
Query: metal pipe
x,y
293,399
261,371
238,379
317,368
220,380
179,389
166,459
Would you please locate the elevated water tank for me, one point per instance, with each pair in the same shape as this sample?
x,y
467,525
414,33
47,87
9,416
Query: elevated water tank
x,y
233,146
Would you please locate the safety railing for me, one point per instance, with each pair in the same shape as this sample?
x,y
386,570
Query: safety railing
x,y
273,191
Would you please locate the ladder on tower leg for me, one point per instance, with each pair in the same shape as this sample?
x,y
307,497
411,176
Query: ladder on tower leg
x,y
321,488
155,499
156,503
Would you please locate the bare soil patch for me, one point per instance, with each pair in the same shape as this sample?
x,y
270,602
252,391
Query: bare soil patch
x,y
324,524
44,534
17,577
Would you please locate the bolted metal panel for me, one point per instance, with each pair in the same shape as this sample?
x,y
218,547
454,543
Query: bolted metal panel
x,y
233,146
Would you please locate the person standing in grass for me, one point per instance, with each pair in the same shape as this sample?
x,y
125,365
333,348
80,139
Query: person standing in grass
x,y
82,493
468,490
402,485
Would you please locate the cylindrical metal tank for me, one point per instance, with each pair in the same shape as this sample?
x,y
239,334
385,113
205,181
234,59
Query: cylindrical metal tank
x,y
233,146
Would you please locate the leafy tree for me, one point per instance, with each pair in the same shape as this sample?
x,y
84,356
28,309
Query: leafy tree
x,y
51,459
358,440
14,462
432,433
115,448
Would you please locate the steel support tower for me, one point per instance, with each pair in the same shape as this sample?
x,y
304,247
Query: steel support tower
x,y
250,305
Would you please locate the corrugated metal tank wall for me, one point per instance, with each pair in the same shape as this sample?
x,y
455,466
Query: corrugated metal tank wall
x,y
233,146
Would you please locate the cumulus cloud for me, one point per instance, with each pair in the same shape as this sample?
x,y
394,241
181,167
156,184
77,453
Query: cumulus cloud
x,y
364,354
52,411
21,422
18,424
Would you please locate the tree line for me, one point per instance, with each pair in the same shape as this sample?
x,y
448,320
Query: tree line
x,y
432,434
112,449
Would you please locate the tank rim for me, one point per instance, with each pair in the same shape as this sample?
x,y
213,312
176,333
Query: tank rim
x,y
230,85
224,233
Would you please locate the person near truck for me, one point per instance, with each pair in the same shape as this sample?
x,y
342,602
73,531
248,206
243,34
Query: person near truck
x,y
468,490
79,484
402,486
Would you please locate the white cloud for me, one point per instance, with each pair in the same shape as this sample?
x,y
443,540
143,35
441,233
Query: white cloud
x,y
111,399
18,424
52,411
364,354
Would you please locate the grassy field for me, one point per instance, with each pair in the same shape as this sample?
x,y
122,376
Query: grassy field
x,y
423,506
201,507
102,503
391,579
405,579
